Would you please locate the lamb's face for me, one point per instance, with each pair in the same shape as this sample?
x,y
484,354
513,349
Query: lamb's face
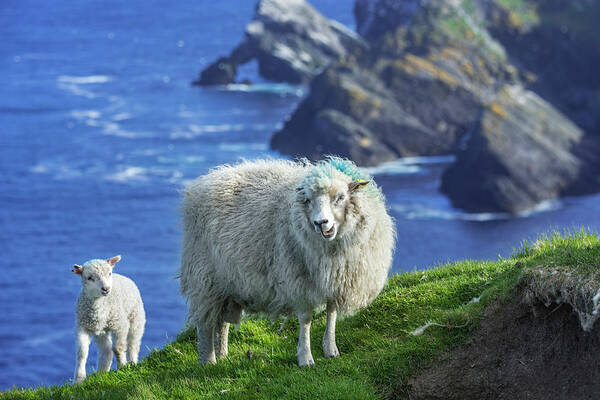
x,y
96,276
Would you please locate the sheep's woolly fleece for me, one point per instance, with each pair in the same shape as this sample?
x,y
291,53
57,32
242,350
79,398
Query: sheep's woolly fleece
x,y
248,240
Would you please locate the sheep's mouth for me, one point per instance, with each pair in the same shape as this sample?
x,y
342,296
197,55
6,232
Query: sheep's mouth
x,y
329,234
105,292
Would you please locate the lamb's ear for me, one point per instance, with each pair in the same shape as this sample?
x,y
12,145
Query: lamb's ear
x,y
77,269
352,186
112,261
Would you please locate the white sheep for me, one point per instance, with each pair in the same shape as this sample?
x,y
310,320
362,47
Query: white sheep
x,y
279,236
109,304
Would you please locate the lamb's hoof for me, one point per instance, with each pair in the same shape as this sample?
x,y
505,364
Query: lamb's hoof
x,y
79,379
208,361
306,361
331,352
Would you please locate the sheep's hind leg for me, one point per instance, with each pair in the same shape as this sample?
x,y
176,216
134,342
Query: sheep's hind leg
x,y
206,347
104,343
83,347
304,354
329,347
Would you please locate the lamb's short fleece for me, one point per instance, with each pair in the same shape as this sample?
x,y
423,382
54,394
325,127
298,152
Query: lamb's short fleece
x,y
110,310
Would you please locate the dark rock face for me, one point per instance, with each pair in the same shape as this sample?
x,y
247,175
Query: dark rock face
x,y
291,41
374,18
513,161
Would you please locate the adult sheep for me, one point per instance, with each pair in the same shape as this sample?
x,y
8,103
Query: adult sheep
x,y
279,236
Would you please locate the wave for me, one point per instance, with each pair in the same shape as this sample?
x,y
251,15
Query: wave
x,y
129,174
243,146
86,114
35,341
57,170
278,88
194,130
406,165
416,211
78,80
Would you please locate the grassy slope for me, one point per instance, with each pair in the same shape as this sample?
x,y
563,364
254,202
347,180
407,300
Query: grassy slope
x,y
378,352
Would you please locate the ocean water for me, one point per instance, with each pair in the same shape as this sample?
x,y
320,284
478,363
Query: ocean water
x,y
100,129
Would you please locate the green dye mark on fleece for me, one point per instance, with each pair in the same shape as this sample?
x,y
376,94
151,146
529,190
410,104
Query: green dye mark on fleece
x,y
324,171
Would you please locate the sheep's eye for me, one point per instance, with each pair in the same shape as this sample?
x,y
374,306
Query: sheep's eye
x,y
90,278
341,197
110,273
306,201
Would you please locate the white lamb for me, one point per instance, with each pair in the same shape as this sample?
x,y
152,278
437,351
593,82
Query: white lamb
x,y
280,237
109,304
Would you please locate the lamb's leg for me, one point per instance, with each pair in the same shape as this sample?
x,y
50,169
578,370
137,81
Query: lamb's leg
x,y
304,355
221,338
206,347
134,339
83,346
329,347
104,343
120,346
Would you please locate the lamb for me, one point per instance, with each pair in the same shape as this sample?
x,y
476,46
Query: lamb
x,y
109,304
282,237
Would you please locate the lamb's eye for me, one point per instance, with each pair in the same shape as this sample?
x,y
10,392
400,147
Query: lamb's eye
x,y
90,278
341,197
110,273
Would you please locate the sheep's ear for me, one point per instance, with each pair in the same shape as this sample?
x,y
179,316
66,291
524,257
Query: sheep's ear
x,y
77,269
112,261
352,186
299,189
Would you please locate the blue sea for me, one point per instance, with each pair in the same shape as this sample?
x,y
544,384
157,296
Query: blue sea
x,y
99,131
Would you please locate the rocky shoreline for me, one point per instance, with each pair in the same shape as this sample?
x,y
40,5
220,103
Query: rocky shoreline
x,y
507,88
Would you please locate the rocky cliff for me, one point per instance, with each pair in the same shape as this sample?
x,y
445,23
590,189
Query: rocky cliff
x,y
509,87
291,41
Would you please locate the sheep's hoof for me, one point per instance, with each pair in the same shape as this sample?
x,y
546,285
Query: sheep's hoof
x,y
79,379
331,352
306,361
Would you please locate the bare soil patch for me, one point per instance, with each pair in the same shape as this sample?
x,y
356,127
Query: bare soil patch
x,y
519,352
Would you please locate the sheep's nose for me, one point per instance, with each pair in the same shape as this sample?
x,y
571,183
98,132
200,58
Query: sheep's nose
x,y
105,288
321,222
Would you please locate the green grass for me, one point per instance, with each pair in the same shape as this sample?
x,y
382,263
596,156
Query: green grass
x,y
378,352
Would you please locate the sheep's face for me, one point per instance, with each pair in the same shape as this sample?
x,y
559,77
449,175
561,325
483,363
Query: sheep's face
x,y
325,208
96,276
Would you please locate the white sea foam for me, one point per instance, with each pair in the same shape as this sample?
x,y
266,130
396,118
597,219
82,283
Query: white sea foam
x,y
39,340
279,88
391,168
86,114
194,130
417,211
243,146
407,165
121,116
79,80
76,90
130,173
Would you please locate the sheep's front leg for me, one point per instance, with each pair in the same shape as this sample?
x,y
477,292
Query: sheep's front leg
x,y
120,346
206,346
305,357
83,346
221,338
329,347
104,343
